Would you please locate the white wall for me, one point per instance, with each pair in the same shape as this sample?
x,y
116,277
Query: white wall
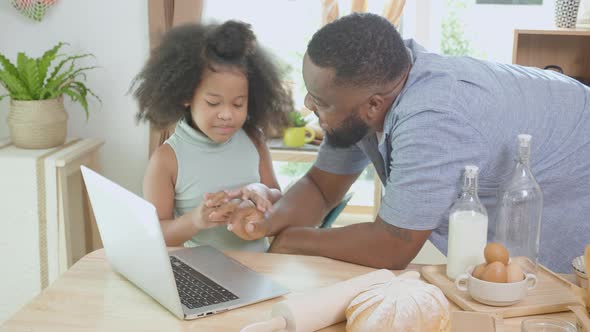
x,y
422,21
116,32
490,28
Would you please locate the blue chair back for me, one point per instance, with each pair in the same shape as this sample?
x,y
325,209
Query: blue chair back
x,y
333,214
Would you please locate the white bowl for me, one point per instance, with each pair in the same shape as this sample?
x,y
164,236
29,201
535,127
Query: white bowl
x,y
495,293
579,267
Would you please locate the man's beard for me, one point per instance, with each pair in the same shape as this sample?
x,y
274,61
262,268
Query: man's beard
x,y
350,132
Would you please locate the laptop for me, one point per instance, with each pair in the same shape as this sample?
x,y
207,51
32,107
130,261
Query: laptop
x,y
191,283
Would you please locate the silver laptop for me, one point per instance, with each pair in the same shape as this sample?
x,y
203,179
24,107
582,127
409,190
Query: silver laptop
x,y
191,283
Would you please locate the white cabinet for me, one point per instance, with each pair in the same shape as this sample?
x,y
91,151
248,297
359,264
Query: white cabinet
x,y
45,220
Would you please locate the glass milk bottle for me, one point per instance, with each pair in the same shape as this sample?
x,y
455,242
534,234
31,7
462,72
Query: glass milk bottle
x,y
520,205
468,227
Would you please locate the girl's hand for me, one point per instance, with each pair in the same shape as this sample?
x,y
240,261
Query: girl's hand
x,y
214,200
205,217
222,213
255,192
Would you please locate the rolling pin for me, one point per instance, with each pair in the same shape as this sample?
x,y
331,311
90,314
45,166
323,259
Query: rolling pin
x,y
320,308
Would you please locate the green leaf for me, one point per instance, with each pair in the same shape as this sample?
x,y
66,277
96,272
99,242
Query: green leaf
x,y
31,74
95,96
14,86
29,79
67,78
53,84
77,97
57,68
21,63
80,71
82,87
296,119
45,61
8,66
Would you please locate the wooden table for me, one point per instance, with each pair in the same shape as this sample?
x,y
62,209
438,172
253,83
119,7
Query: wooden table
x,y
91,297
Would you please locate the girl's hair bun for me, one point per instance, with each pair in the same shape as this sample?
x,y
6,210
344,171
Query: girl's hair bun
x,y
231,40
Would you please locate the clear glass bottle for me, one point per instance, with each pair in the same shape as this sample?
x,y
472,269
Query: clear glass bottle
x,y
468,227
519,210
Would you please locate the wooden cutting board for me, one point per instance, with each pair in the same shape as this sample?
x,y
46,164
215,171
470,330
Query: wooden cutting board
x,y
552,294
583,321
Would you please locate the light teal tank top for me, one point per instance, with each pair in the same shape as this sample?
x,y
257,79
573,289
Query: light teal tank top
x,y
208,167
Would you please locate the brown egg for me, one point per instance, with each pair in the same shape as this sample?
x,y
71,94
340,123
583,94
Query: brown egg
x,y
514,273
495,252
495,272
478,270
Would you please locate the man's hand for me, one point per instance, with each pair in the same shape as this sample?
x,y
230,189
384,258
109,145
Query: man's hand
x,y
248,222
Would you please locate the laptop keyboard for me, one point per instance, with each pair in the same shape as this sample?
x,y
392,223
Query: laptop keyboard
x,y
195,289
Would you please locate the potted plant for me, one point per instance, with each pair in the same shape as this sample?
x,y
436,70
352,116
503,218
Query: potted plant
x,y
297,134
37,117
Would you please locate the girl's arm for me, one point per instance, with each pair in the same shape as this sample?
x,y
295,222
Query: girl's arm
x,y
158,188
267,173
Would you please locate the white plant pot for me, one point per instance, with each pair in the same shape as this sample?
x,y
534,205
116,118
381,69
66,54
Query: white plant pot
x,y
566,13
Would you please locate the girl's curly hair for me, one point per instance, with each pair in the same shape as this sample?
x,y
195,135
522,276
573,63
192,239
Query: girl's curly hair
x,y
176,66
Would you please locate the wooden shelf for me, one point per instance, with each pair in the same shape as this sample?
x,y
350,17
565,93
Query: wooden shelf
x,y
566,48
559,32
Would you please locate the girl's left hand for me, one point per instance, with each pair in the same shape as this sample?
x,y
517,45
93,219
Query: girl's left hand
x,y
255,192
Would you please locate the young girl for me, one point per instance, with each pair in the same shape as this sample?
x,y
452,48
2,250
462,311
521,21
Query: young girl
x,y
224,93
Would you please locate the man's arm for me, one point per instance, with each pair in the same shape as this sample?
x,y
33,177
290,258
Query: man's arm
x,y
375,244
309,200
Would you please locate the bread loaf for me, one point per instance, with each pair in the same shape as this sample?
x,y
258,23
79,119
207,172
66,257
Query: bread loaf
x,y
400,305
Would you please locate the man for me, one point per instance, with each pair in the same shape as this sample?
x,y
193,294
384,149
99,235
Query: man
x,y
420,118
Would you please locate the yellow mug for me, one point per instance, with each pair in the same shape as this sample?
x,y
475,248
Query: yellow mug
x,y
298,136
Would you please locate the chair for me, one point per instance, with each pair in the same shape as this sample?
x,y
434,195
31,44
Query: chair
x,y
333,214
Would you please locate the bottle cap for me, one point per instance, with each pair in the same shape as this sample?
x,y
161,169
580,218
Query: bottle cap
x,y
471,171
524,140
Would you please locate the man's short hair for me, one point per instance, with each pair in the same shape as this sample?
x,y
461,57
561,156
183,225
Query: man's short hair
x,y
363,49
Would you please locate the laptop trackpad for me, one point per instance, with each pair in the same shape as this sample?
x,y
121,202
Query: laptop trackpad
x,y
230,274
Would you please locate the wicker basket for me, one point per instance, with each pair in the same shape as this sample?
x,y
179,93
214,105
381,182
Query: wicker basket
x,y
37,124
566,13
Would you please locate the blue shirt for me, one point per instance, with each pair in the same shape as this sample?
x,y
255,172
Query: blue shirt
x,y
455,111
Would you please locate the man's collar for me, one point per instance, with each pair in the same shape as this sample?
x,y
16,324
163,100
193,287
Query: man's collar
x,y
388,121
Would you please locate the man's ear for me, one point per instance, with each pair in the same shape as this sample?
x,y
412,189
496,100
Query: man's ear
x,y
376,108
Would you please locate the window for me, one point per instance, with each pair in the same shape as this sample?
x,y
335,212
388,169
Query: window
x,y
285,27
487,31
